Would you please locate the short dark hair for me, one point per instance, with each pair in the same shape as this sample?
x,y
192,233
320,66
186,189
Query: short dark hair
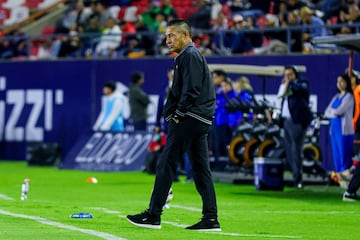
x,y
220,72
348,82
111,85
182,24
136,77
293,68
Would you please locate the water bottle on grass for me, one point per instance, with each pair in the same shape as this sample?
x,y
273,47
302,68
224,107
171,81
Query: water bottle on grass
x,y
81,215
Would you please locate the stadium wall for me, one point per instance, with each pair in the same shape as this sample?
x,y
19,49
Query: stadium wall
x,y
58,101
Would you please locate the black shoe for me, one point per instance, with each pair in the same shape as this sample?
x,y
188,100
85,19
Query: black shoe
x,y
206,225
350,197
145,220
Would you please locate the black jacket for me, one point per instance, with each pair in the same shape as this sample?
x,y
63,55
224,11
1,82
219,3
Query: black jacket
x,y
192,93
299,102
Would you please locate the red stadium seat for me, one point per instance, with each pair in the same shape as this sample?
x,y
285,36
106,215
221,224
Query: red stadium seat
x,y
4,14
32,4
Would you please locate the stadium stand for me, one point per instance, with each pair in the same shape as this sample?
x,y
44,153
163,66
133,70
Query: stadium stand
x,y
263,23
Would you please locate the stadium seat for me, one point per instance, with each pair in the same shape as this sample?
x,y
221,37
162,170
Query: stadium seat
x,y
130,14
4,14
48,30
114,11
13,3
17,14
121,13
32,4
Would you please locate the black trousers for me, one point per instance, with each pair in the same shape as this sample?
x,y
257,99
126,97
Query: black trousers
x,y
190,135
293,142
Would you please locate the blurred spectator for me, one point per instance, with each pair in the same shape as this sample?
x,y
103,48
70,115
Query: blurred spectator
x,y
245,94
77,16
351,16
91,32
236,41
132,48
202,42
66,45
109,40
44,51
101,10
242,86
288,19
330,9
292,5
148,17
218,76
239,5
201,19
154,148
138,101
340,112
224,120
145,37
168,10
112,108
256,37
6,49
19,44
221,22
312,27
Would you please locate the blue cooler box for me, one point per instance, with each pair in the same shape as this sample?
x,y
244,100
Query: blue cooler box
x,y
269,173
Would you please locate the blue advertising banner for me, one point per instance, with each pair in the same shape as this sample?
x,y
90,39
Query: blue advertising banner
x,y
59,101
106,151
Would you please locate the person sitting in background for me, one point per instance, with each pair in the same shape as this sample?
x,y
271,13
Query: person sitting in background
x,y
316,27
112,107
201,19
110,39
92,31
352,16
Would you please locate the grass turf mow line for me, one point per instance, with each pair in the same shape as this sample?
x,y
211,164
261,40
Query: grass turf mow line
x,y
5,197
103,235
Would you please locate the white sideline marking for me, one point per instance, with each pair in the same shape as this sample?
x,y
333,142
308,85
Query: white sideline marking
x,y
5,197
278,212
309,212
254,235
107,210
218,233
103,235
193,209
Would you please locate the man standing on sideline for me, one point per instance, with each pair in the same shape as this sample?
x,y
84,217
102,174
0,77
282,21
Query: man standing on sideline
x,y
138,101
297,116
189,112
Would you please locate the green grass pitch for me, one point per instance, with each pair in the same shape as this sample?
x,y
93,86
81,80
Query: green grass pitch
x,y
316,212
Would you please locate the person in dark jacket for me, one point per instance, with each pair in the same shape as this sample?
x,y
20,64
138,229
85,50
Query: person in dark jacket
x,y
189,112
295,111
138,101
